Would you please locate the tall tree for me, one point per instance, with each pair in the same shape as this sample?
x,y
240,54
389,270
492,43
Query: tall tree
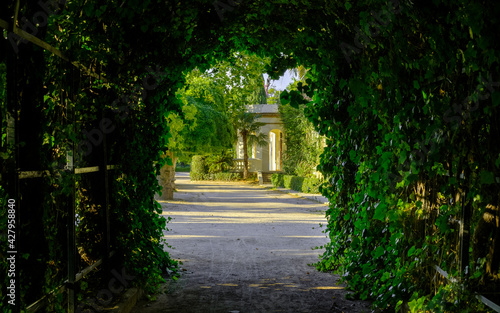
x,y
259,96
201,127
210,101
240,78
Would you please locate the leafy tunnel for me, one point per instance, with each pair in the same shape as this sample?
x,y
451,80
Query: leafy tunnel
x,y
406,94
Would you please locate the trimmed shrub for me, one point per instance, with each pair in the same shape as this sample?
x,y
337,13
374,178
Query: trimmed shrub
x,y
216,176
287,181
226,176
311,185
277,180
199,176
198,167
302,184
296,183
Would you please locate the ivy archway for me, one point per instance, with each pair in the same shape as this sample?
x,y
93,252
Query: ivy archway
x,y
406,94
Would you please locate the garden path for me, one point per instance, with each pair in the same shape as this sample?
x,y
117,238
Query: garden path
x,y
246,249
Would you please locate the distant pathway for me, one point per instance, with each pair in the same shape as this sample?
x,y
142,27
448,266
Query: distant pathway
x,y
246,249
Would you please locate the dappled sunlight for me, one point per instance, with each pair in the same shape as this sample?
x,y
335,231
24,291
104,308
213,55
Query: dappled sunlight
x,y
241,220
276,286
244,243
303,236
327,288
220,187
243,217
295,252
189,236
245,205
228,285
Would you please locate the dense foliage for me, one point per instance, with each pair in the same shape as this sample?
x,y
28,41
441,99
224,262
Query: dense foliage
x,y
198,165
221,162
205,124
213,167
117,83
211,101
408,101
406,94
303,143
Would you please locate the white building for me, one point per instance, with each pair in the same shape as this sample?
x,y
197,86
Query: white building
x,y
270,157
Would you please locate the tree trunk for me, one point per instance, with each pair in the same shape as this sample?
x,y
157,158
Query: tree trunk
x,y
167,178
486,239
245,155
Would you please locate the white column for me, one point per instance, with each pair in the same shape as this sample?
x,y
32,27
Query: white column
x,y
272,151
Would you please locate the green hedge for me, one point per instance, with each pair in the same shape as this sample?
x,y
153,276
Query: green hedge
x,y
198,166
277,180
303,184
227,176
216,176
199,171
311,185
198,176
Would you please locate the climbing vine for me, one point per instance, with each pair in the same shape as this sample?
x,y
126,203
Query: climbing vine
x,y
407,104
405,93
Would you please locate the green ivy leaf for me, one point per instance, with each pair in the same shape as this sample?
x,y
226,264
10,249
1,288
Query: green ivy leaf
x,y
352,155
385,276
411,251
380,212
486,177
379,252
285,97
342,83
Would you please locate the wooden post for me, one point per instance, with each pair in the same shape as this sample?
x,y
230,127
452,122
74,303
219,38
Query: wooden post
x,y
103,166
465,228
71,251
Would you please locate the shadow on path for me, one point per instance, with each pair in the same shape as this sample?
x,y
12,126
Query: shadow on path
x,y
246,249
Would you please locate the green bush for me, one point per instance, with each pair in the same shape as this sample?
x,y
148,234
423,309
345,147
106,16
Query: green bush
x,y
217,163
198,167
215,176
277,180
199,176
226,176
287,181
303,184
303,145
311,185
296,183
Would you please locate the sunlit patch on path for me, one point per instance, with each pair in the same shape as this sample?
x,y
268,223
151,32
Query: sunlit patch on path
x,y
246,249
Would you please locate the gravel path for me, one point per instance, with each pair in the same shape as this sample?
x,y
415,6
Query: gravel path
x,y
246,249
